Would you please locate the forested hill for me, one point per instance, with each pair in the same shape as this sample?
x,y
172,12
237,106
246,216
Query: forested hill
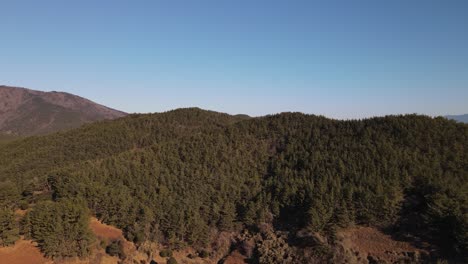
x,y
179,176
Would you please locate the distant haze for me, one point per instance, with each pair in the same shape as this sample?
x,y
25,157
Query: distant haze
x,y
459,118
341,59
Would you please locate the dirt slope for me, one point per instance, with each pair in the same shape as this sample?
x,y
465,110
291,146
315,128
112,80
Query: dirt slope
x,y
369,245
104,231
24,251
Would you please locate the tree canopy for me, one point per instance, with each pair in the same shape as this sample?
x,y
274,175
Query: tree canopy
x,y
173,177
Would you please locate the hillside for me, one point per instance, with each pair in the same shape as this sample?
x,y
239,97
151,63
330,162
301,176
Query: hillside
x,y
459,118
28,112
277,188
4,137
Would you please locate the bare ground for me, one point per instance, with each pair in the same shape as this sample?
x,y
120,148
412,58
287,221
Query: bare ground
x,y
24,251
366,244
105,231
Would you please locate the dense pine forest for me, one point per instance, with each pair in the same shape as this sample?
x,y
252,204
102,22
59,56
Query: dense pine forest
x,y
179,177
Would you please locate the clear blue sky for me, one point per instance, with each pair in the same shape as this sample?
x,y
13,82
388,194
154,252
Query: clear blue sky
x,y
342,59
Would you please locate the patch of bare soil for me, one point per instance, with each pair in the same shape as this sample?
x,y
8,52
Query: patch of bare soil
x,y
20,214
108,233
97,258
235,258
104,231
24,251
369,245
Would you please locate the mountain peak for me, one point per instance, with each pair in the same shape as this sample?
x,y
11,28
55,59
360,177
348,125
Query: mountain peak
x,y
30,112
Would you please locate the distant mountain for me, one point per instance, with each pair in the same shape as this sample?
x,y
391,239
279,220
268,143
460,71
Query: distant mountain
x,y
27,112
459,118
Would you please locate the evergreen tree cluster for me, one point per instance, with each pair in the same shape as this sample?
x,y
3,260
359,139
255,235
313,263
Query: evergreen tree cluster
x,y
61,228
9,231
175,177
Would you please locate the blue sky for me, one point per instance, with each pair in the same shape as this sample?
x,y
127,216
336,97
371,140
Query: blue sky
x,y
342,59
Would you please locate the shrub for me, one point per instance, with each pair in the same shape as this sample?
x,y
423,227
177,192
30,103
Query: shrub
x,y
9,230
203,253
165,253
115,248
23,205
103,244
171,260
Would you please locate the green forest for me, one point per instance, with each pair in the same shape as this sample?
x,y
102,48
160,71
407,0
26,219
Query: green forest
x,y
176,177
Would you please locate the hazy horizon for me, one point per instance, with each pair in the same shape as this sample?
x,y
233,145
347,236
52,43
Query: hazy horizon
x,y
338,59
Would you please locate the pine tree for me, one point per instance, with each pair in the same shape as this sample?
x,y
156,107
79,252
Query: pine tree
x,y
9,231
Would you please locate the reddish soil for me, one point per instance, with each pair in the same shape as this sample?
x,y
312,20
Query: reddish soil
x,y
235,258
372,240
105,231
109,233
368,241
24,251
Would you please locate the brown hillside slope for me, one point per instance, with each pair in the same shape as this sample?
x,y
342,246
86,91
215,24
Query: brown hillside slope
x,y
29,112
369,245
24,251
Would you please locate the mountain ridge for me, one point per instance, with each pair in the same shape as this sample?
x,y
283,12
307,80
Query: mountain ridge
x,y
28,112
459,118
